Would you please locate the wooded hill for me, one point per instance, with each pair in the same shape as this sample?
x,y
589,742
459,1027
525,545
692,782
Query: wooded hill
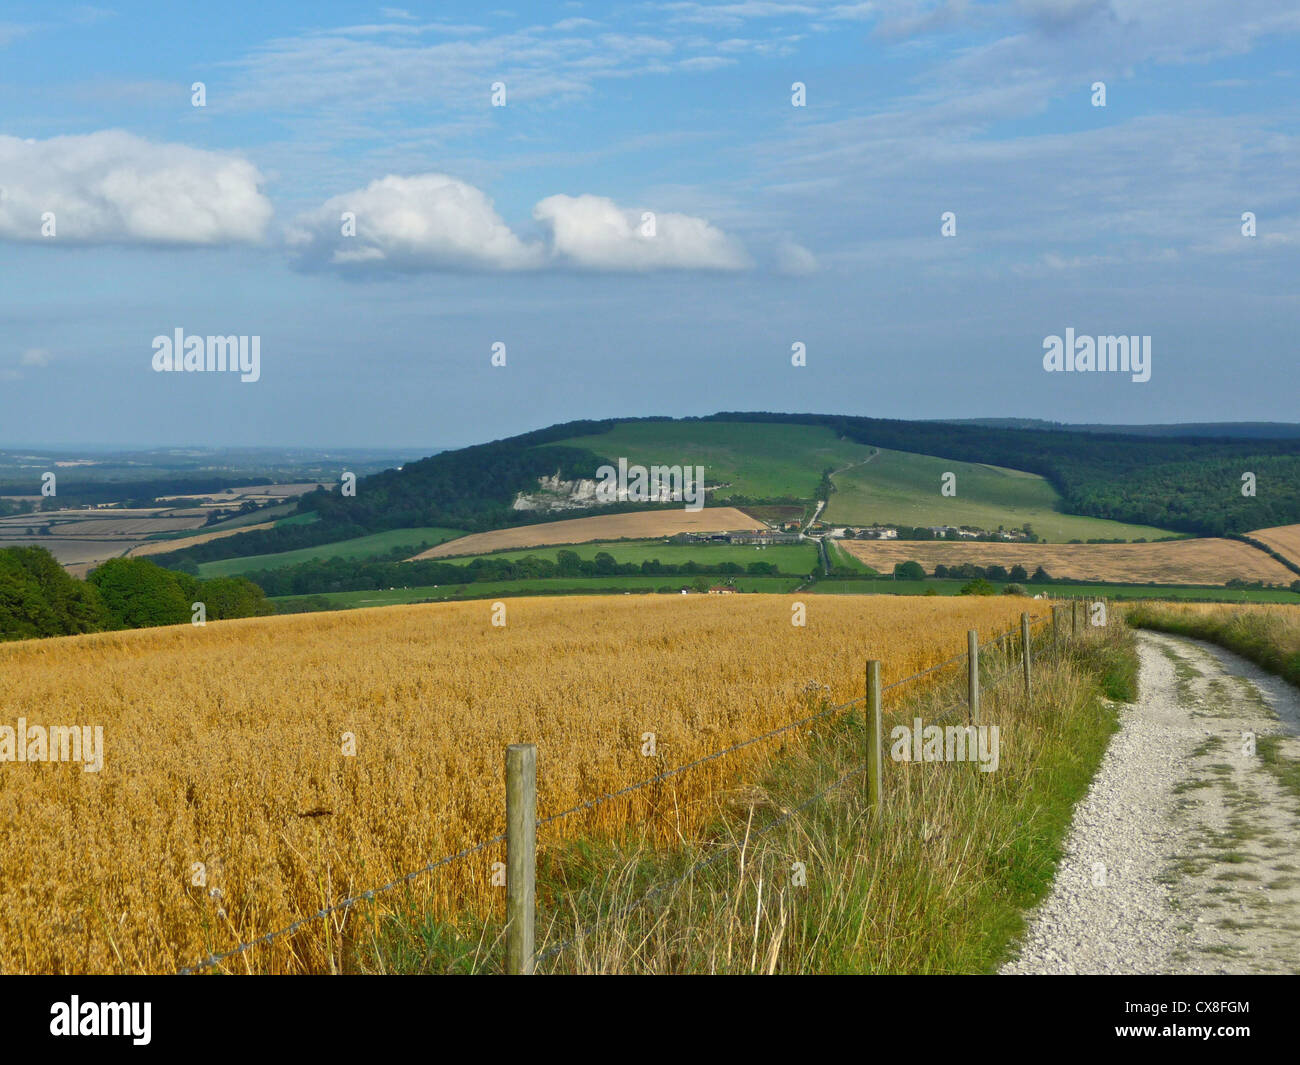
x,y
1191,484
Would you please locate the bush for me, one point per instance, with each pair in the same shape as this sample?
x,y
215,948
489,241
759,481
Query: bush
x,y
1014,589
979,586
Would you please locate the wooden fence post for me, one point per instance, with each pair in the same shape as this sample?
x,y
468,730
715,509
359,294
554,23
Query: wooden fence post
x,y
1024,648
973,674
1056,632
875,758
521,858
1074,619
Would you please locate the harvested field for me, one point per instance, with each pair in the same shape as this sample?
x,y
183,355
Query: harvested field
x,y
127,528
1284,539
1202,561
645,525
227,745
162,547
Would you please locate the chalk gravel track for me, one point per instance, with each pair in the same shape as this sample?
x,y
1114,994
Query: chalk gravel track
x,y
1184,857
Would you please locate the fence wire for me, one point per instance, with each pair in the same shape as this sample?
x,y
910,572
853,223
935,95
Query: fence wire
x,y
347,903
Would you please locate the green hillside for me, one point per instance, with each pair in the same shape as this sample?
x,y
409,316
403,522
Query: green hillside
x,y
765,460
898,486
757,460
372,546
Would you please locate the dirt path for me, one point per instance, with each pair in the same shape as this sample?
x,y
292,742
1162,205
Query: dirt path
x,y
1184,857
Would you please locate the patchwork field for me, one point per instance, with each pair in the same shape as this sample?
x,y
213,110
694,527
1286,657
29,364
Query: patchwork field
x,y
1284,539
359,547
636,526
228,745
162,547
1201,561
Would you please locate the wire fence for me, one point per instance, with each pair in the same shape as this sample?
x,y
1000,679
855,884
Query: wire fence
x,y
345,904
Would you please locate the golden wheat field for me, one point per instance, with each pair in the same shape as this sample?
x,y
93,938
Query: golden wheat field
x,y
225,745
1207,560
634,526
1284,539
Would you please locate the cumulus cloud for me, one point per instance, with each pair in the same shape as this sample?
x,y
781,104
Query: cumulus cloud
x,y
114,187
595,233
435,222
34,357
426,222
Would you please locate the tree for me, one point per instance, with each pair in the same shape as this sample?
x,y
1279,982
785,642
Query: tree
x,y
979,586
1018,573
1041,576
909,571
139,594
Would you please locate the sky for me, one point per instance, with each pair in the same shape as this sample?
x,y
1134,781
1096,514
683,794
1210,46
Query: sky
x,y
644,207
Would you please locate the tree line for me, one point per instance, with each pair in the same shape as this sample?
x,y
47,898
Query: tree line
x,y
357,575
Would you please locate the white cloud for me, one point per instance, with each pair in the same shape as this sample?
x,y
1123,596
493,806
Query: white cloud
x,y
434,222
595,233
34,357
426,222
114,187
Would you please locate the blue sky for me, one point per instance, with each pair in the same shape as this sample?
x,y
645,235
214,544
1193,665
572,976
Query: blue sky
x,y
523,224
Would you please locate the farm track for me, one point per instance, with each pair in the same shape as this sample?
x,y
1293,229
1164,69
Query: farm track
x,y
1183,856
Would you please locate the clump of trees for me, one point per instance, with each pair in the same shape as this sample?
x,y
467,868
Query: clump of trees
x,y
39,598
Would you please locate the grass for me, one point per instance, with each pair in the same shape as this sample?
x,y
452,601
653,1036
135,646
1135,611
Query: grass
x,y
755,460
540,586
937,881
1286,770
373,545
900,486
796,559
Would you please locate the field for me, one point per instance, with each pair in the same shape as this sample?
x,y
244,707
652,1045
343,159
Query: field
x,y
1060,589
1284,539
225,746
901,487
1201,561
791,558
361,547
536,586
162,547
635,526
754,459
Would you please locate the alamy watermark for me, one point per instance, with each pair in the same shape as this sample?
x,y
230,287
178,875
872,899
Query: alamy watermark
x,y
656,484
953,743
1084,353
195,354
58,743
